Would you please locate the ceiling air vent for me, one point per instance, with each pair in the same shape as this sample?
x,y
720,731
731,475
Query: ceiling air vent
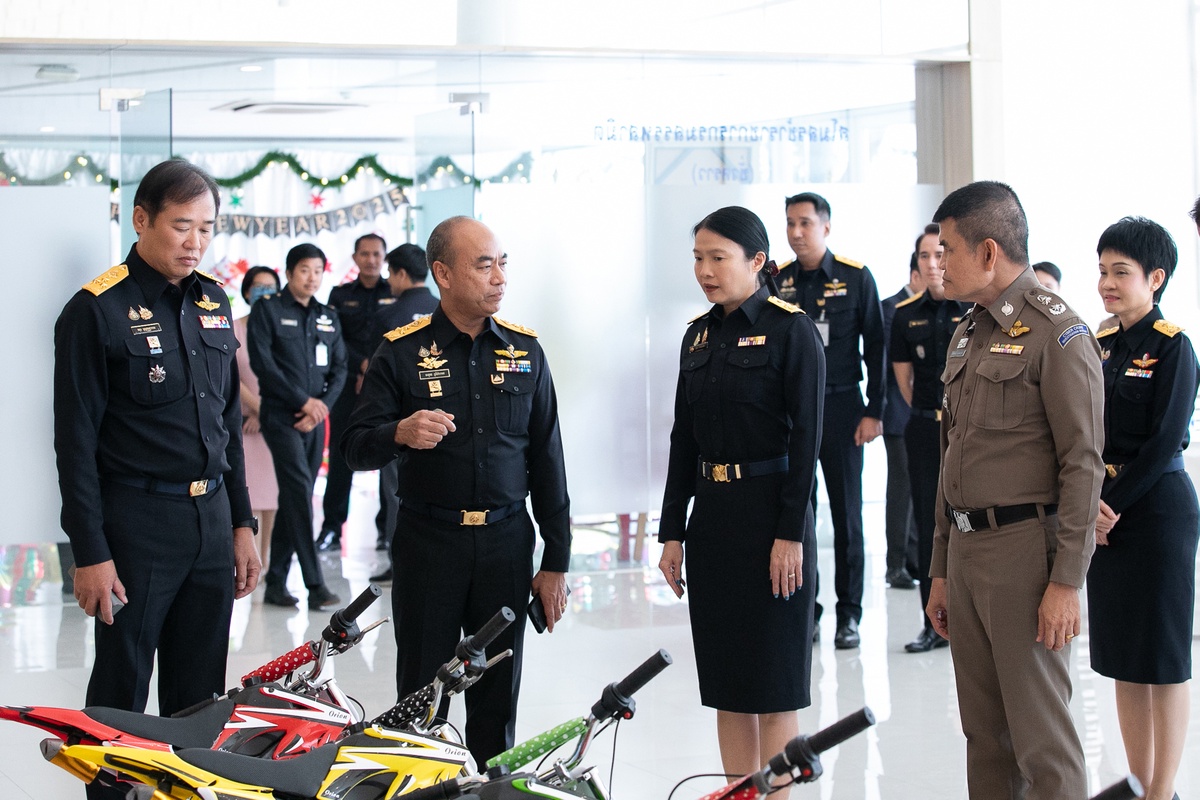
x,y
273,107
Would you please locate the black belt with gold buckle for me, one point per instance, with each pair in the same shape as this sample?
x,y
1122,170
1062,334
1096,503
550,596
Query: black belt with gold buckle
x,y
197,488
463,516
928,413
725,473
1174,465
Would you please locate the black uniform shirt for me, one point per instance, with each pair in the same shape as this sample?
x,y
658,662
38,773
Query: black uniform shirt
x,y
506,444
410,305
841,297
1150,381
357,306
145,385
751,388
921,333
296,351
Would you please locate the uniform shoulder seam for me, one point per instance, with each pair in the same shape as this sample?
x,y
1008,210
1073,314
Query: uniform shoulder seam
x,y
908,300
102,283
405,330
701,315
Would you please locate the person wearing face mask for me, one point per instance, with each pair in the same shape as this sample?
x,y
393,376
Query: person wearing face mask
x,y
259,282
1141,584
296,349
748,408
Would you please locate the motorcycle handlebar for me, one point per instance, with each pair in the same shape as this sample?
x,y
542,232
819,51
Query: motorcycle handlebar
x,y
839,731
493,628
350,613
646,672
288,662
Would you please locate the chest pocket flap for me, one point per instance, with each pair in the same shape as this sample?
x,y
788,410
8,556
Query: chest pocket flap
x,y
692,369
954,368
514,403
156,378
1000,403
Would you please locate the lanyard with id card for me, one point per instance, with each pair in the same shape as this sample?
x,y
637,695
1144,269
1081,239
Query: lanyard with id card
x,y
322,354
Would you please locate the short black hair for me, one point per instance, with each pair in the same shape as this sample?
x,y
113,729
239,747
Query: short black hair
x,y
439,247
1195,213
254,272
932,229
411,259
913,266
1146,242
819,204
1050,269
174,181
989,210
301,252
364,237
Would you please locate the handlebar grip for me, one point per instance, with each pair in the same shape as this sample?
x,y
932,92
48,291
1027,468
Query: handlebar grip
x,y
493,628
1128,789
288,662
644,673
439,791
360,604
841,730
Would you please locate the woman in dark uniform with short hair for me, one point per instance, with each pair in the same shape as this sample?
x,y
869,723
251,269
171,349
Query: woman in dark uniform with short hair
x,y
747,430
1141,584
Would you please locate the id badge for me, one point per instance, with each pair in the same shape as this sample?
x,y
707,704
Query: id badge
x,y
823,329
322,354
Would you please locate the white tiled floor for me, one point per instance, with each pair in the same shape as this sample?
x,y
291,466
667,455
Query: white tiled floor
x,y
620,614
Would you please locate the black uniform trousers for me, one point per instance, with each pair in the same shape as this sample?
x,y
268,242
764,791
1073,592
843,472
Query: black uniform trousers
x,y
450,580
336,502
898,515
922,437
297,458
842,466
389,504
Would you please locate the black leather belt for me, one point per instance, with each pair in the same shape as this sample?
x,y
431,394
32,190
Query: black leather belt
x,y
928,413
463,517
968,521
724,473
190,489
838,388
1174,465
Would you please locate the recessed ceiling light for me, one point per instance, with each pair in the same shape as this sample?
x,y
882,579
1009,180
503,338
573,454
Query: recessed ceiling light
x,y
46,129
57,72
251,68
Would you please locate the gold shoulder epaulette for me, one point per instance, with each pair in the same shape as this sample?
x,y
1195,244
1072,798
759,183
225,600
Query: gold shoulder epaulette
x,y
1168,329
908,300
415,325
701,315
791,308
787,264
212,278
849,262
512,326
102,283
1108,331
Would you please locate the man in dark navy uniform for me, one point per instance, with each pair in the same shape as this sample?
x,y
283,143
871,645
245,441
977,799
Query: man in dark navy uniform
x,y
147,430
296,351
357,303
407,272
841,297
465,401
921,333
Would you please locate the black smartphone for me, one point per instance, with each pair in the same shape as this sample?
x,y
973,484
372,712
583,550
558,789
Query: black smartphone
x,y
537,613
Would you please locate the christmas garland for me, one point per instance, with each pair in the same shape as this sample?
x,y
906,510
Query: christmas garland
x,y
441,167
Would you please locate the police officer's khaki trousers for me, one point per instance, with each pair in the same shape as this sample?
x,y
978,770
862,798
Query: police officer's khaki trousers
x,y
1013,693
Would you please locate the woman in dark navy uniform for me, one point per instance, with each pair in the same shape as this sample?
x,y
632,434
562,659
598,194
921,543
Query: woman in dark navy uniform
x,y
747,430
1141,584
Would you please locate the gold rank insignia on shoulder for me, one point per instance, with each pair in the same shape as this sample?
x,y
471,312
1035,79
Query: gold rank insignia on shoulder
x,y
512,352
1168,329
849,262
791,308
102,283
429,357
1007,349
1108,331
908,300
212,278
405,330
206,304
698,316
1017,329
1145,361
512,326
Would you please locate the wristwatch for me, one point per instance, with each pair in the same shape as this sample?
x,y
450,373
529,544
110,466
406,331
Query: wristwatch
x,y
251,523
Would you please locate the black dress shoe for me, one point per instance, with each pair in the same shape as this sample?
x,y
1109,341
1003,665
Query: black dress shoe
x,y
280,597
381,545
900,579
846,637
321,598
816,634
329,539
384,578
926,640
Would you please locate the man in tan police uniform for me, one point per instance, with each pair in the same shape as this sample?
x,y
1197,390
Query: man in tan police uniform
x,y
1017,501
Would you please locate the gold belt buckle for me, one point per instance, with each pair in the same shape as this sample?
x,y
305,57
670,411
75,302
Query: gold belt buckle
x,y
720,473
938,414
198,488
474,518
1112,469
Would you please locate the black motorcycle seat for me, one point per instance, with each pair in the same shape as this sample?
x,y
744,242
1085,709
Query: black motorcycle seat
x,y
301,775
200,729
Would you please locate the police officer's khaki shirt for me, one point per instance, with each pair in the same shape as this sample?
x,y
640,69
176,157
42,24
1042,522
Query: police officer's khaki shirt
x,y
1023,420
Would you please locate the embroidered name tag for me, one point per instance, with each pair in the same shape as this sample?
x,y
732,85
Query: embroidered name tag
x,y
1072,332
142,330
289,322
213,321
433,374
